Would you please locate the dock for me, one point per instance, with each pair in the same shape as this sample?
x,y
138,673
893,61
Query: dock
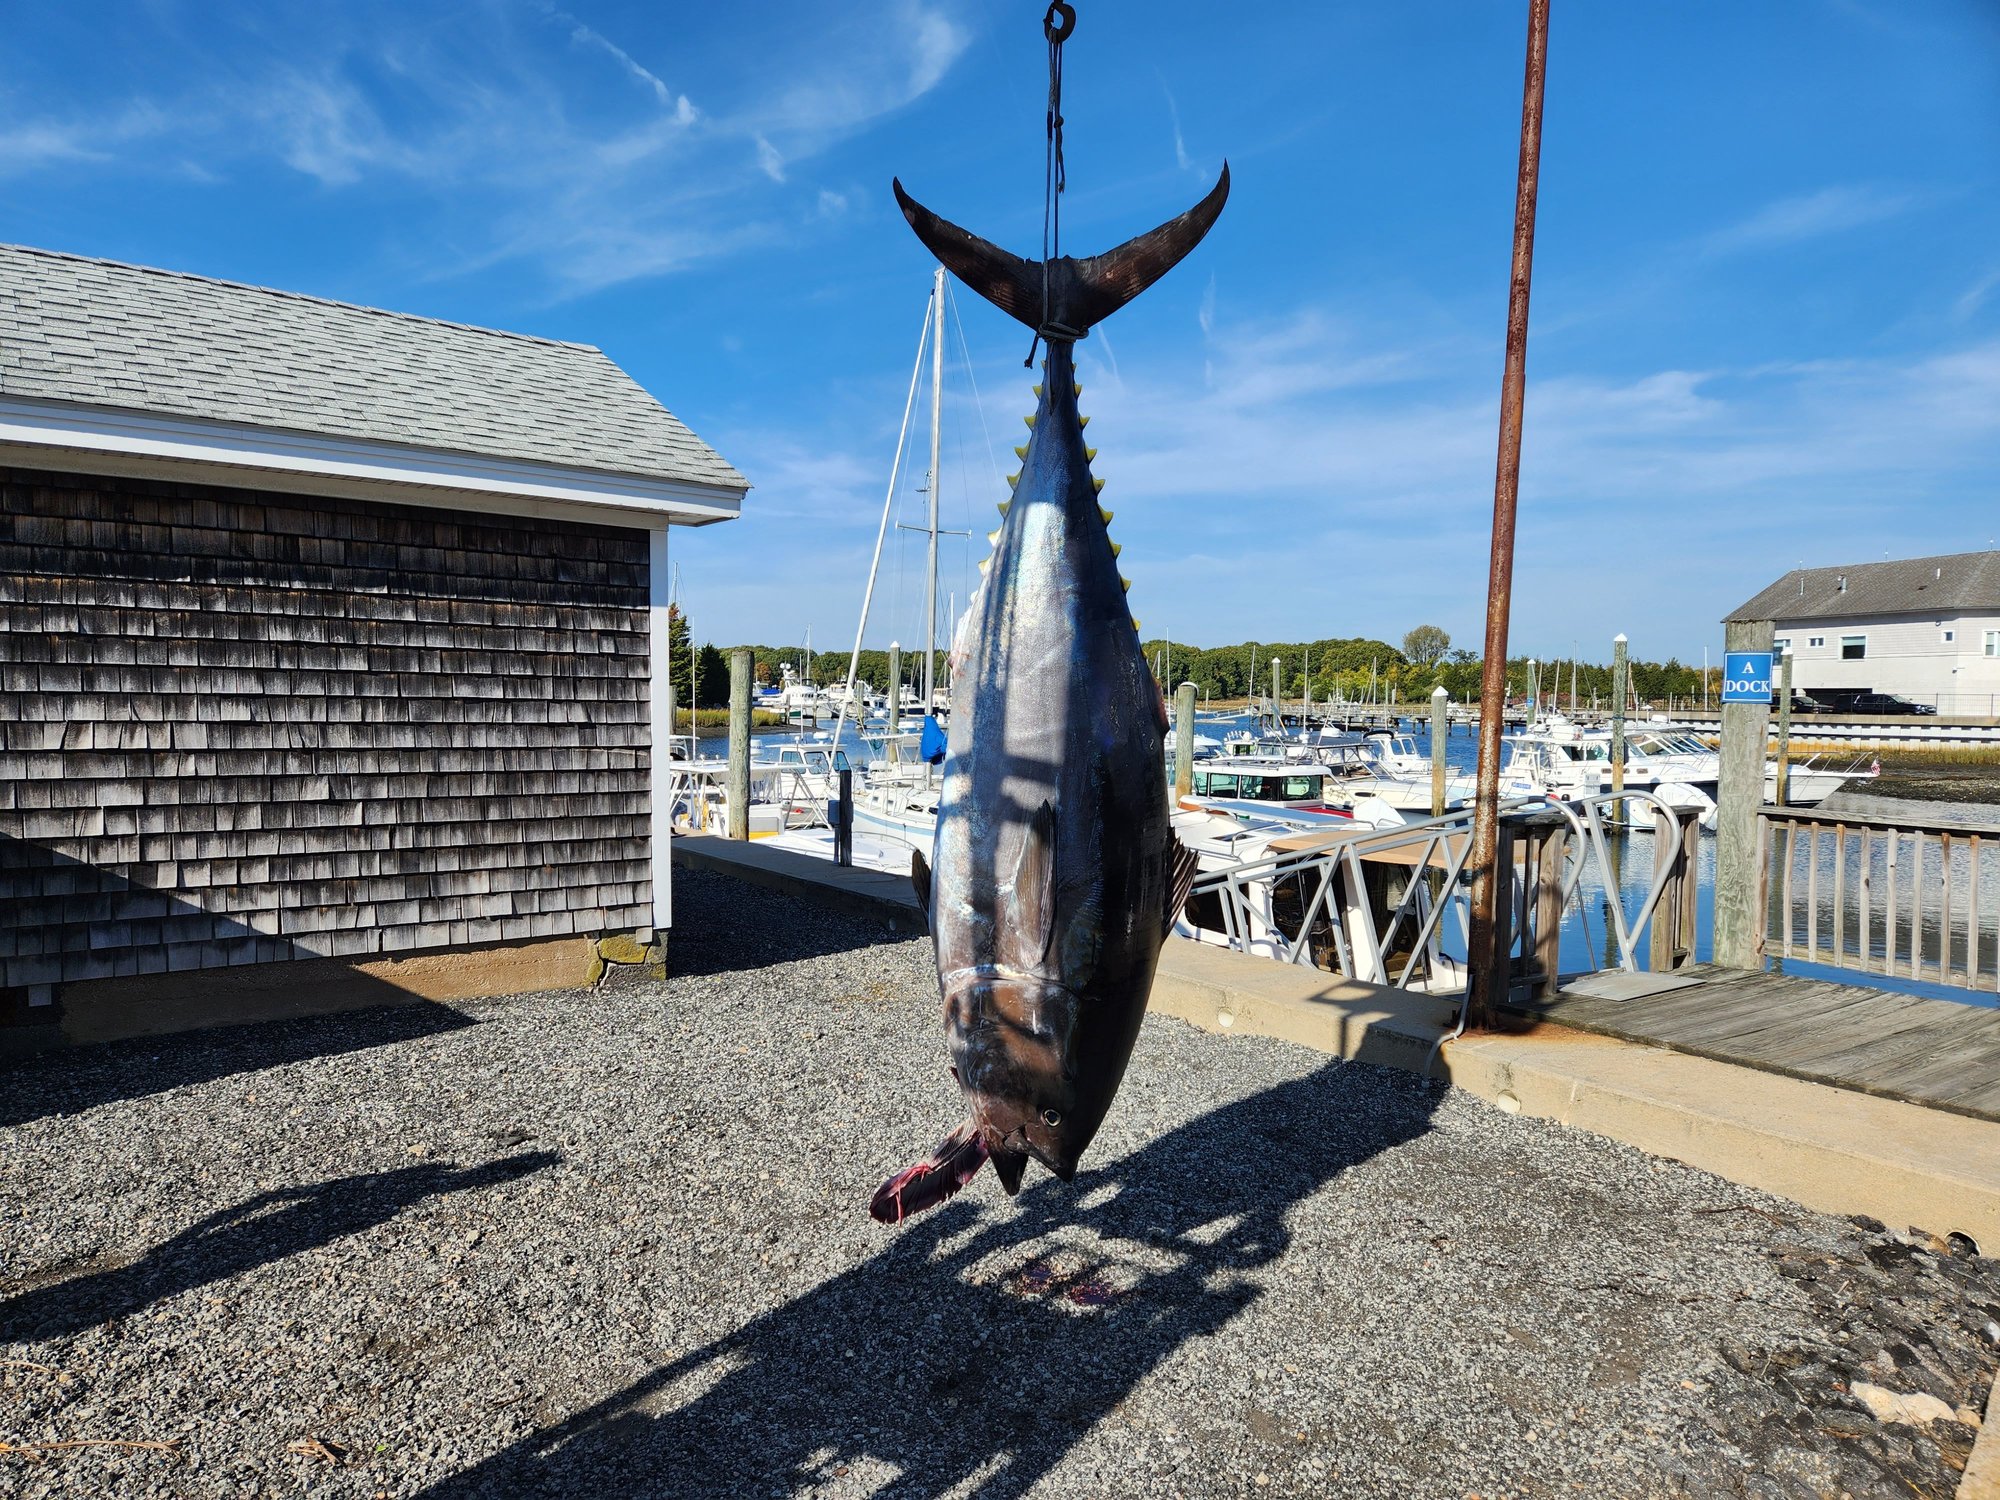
x,y
1864,1140
1942,1054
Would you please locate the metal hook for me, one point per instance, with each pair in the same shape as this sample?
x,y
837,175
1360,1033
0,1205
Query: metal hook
x,y
1058,33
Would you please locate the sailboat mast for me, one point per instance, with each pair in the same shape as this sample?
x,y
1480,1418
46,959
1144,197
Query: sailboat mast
x,y
937,423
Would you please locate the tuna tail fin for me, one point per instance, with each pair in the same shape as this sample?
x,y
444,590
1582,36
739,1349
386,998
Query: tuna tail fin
x,y
956,1162
1077,293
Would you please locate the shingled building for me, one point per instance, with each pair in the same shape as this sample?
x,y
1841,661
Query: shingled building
x,y
326,638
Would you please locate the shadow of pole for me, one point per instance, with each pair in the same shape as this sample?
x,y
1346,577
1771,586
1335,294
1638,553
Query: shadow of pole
x,y
978,1348
268,1227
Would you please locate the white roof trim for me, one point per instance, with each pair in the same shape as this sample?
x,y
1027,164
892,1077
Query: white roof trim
x,y
73,436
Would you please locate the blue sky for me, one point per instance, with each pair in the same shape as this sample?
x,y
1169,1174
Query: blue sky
x,y
1766,322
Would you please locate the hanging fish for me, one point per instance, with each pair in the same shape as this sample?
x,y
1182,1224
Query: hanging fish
x,y
1055,875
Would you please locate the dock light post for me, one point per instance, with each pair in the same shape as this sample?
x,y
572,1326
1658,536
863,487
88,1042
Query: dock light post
x,y
1487,957
1618,671
1440,735
1277,703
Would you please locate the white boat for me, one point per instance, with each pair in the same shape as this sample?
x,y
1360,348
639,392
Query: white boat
x,y
1296,794
1811,781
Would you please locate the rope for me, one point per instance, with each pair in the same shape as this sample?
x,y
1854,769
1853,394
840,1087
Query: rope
x,y
1057,25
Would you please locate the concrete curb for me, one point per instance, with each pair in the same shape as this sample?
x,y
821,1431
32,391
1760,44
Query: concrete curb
x,y
855,891
1981,1480
1827,1148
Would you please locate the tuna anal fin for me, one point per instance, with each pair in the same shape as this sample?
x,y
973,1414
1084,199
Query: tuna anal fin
x,y
1033,903
1183,864
956,1162
920,877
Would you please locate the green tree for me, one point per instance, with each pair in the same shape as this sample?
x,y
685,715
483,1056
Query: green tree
x,y
1426,645
711,680
680,659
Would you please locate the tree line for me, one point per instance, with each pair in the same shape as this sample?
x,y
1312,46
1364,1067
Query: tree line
x,y
1358,668
1355,668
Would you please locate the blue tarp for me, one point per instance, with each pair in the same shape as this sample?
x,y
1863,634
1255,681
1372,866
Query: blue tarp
x,y
932,747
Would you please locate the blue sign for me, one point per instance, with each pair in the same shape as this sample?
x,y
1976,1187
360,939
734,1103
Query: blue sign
x,y
1746,677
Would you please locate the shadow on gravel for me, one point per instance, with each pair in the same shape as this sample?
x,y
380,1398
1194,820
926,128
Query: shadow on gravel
x,y
72,1080
266,1228
977,1348
722,924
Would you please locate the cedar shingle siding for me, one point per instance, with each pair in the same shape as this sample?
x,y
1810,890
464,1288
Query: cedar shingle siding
x,y
238,727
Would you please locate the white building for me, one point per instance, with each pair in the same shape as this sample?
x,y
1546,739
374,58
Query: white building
x,y
1926,628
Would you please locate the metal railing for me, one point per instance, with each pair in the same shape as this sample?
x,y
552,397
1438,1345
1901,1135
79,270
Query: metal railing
x,y
1890,896
695,791
1378,905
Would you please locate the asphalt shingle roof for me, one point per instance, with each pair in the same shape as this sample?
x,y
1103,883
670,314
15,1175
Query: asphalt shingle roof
x,y
103,333
1958,583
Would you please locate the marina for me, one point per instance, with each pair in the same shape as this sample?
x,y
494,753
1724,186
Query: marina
x,y
538,961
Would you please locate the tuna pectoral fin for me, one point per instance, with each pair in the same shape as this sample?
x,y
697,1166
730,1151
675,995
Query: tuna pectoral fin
x,y
956,1162
1031,907
1183,864
920,877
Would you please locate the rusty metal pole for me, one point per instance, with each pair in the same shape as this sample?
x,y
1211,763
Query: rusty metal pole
x,y
1488,966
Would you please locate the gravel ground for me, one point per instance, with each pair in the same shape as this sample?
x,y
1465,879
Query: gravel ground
x,y
615,1244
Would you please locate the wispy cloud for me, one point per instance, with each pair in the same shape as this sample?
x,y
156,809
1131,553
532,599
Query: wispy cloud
x,y
1181,158
1976,295
509,116
35,145
679,105
1831,210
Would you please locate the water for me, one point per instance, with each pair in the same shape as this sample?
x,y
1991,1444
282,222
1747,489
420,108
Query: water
x,y
1588,928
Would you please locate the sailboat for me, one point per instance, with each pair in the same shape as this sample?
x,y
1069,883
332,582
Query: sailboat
x,y
897,798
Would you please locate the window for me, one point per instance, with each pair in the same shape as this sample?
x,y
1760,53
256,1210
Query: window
x,y
1297,788
1815,640
1950,636
1853,647
1782,645
1993,643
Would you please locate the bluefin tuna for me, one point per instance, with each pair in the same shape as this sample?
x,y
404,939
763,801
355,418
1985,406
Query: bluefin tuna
x,y
1055,875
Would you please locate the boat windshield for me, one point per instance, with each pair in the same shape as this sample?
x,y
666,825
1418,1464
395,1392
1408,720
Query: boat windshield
x,y
1257,788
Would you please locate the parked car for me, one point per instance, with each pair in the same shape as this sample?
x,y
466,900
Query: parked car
x,y
1886,703
1801,703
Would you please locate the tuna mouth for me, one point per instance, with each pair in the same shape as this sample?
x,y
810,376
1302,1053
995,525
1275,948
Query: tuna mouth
x,y
1019,1141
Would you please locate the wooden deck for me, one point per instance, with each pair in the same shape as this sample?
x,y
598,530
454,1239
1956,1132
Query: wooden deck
x,y
1933,1052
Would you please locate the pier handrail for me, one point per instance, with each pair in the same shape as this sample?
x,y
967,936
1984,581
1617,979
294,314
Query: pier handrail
x,y
1332,889
1908,898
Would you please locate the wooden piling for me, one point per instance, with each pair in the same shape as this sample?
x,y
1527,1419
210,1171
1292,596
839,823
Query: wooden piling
x,y
1440,745
1739,920
739,743
1184,741
1534,690
1618,670
1784,790
1677,840
895,700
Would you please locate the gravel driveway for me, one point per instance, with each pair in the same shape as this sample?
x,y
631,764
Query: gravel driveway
x,y
616,1244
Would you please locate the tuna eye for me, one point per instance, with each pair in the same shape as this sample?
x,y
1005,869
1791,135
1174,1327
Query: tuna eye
x,y
1050,1117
